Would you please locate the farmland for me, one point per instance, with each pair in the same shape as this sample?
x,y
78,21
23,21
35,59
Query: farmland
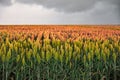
x,y
56,52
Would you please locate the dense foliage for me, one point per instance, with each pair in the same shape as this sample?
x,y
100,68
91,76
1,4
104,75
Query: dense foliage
x,y
43,58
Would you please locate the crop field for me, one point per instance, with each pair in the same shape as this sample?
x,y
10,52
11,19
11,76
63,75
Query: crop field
x,y
56,52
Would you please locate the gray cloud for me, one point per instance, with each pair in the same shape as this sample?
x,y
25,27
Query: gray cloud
x,y
69,5
103,13
63,5
116,4
60,11
5,2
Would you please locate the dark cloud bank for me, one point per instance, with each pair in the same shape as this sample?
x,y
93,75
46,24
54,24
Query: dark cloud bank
x,y
5,2
64,5
73,6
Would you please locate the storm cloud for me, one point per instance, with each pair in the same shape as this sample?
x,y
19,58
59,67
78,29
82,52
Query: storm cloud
x,y
5,2
63,5
60,11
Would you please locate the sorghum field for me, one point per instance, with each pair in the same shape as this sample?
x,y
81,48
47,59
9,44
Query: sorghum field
x,y
56,52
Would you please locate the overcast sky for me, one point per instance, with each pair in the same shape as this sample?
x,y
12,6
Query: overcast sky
x,y
59,11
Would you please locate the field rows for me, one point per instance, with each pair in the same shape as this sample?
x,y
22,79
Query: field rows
x,y
59,52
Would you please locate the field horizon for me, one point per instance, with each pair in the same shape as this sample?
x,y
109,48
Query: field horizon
x,y
66,31
59,52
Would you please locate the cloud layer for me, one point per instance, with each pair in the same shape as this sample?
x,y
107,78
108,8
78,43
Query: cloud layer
x,y
60,11
63,5
5,2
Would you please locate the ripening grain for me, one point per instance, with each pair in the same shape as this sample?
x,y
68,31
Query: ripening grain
x,y
59,52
